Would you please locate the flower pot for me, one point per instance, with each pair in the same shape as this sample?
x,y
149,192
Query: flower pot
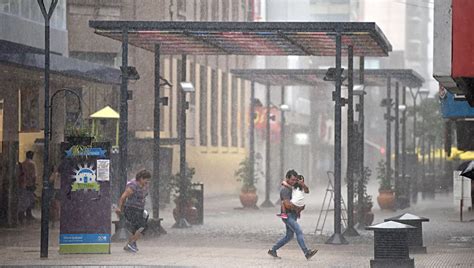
x,y
386,199
249,199
367,218
74,140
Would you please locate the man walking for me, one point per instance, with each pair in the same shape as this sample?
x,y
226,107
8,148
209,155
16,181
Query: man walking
x,y
292,226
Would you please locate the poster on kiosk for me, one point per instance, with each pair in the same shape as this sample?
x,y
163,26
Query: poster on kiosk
x,y
85,221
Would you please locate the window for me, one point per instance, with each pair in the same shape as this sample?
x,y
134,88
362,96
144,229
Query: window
x,y
214,108
107,59
236,7
233,111
203,10
225,10
203,105
215,10
181,6
30,10
225,107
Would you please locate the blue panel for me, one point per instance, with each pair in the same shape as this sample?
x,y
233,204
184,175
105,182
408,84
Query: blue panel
x,y
84,238
455,109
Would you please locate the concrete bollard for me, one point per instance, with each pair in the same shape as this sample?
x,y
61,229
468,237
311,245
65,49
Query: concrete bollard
x,y
415,236
391,245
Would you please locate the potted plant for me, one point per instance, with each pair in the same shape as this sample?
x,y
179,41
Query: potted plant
x,y
386,197
79,135
79,139
184,199
364,207
248,192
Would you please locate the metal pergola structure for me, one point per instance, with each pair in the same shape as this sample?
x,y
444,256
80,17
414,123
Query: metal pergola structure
x,y
242,38
311,77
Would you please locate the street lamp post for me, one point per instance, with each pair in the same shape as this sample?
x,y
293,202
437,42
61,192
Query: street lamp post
x,y
186,87
267,202
46,169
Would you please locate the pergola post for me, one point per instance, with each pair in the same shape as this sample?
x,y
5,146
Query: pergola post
x,y
350,231
121,232
404,147
156,225
360,185
337,238
267,202
252,129
397,181
282,135
388,141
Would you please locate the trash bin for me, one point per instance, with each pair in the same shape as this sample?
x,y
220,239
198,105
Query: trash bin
x,y
197,192
391,245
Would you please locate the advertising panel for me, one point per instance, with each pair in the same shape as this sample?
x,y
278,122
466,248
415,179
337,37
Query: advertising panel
x,y
85,224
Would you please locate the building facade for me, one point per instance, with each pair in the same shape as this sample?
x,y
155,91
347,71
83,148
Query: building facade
x,y
22,92
217,115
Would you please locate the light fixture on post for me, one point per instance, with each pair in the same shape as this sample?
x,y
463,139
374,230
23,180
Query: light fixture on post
x,y
132,73
186,86
285,108
331,75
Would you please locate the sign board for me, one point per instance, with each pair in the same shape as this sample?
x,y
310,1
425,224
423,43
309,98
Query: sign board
x,y
461,189
85,223
451,108
103,170
301,139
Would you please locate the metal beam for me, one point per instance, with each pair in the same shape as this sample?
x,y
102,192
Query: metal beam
x,y
303,50
207,41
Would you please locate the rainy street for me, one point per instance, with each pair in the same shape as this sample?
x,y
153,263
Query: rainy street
x,y
240,238
236,133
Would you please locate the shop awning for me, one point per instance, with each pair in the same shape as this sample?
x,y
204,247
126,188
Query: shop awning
x,y
106,112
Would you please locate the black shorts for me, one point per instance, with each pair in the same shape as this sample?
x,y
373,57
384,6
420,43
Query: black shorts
x,y
135,219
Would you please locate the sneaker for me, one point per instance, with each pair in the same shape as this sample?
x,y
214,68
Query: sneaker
x,y
283,215
273,254
130,248
310,253
134,244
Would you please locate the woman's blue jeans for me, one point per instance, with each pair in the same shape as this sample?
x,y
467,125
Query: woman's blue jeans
x,y
292,227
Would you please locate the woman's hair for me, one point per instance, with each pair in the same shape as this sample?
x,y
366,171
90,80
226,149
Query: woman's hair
x,y
143,174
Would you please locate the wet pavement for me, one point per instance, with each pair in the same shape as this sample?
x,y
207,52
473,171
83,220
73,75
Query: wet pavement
x,y
233,237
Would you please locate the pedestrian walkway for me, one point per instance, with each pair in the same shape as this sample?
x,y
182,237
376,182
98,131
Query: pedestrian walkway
x,y
240,238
